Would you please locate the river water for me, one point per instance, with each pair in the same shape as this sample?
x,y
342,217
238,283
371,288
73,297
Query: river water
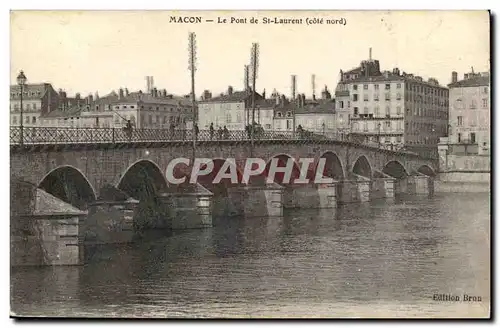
x,y
385,258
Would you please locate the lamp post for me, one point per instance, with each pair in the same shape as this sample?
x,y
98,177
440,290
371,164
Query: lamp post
x,y
21,81
378,139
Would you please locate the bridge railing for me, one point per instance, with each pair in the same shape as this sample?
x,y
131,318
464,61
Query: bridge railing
x,y
55,135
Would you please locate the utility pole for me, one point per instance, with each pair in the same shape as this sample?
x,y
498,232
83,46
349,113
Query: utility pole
x,y
295,104
254,65
192,68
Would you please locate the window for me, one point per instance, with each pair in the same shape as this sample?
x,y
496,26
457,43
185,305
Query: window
x,y
375,97
485,103
228,117
399,125
157,107
356,111
34,106
14,120
288,124
365,126
150,119
376,86
117,107
485,90
238,116
279,114
387,110
355,97
355,87
387,96
377,111
164,119
398,85
33,120
16,107
473,104
157,119
473,138
341,104
387,87
398,110
398,96
365,110
288,114
388,124
27,119
398,139
365,86
28,107
365,97
460,120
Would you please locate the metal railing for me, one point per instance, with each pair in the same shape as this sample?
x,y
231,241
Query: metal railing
x,y
54,135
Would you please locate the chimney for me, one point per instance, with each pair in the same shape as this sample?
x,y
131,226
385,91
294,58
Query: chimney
x,y
77,96
283,100
264,94
164,93
454,77
126,92
294,85
148,84
229,90
370,54
61,93
91,99
120,93
304,100
207,94
277,98
152,92
96,95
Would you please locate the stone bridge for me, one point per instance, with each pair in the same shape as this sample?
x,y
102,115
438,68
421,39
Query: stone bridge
x,y
107,192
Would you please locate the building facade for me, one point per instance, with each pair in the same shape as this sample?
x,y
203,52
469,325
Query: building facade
x,y
38,100
234,110
470,113
154,110
392,109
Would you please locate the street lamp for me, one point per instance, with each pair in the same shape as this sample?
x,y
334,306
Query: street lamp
x,y
21,81
378,139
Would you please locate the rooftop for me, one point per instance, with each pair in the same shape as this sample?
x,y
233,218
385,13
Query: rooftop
x,y
476,81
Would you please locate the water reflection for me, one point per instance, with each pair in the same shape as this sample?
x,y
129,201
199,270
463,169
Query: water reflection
x,y
359,256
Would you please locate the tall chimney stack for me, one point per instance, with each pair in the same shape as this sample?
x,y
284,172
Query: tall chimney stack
x,y
313,85
454,77
120,93
294,85
148,84
370,55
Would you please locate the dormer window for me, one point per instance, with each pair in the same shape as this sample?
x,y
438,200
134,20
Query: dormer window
x,y
288,114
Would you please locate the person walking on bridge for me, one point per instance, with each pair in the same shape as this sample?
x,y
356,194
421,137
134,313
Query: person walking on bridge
x,y
211,130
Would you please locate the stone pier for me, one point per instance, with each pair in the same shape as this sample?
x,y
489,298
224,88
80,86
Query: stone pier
x,y
355,190
188,207
47,232
382,186
258,200
111,222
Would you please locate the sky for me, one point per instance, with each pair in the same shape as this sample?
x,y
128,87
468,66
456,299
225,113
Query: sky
x,y
89,51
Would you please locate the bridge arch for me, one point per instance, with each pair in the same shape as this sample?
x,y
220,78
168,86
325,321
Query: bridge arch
x,y
70,185
395,169
221,187
142,180
427,170
333,166
362,167
282,160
